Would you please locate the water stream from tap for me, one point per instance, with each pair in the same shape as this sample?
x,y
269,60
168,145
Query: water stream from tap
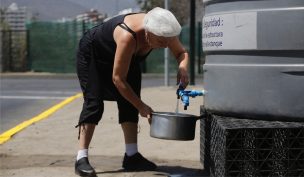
x,y
177,103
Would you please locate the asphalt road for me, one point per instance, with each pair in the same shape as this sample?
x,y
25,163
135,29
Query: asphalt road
x,y
25,96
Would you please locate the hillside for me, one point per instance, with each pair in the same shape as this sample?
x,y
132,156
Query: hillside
x,y
57,9
111,7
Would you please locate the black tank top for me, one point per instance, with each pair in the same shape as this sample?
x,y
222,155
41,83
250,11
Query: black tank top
x,y
103,41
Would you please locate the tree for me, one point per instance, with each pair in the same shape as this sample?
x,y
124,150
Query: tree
x,y
180,8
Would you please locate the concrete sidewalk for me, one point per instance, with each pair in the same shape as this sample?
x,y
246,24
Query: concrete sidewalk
x,y
48,148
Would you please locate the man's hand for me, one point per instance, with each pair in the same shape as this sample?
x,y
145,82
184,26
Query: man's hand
x,y
150,120
145,111
182,77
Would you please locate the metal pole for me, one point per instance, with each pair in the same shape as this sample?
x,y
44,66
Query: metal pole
x,y
192,41
28,54
166,56
199,47
10,68
83,27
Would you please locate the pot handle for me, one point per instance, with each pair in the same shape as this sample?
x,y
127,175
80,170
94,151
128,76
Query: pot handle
x,y
200,117
203,115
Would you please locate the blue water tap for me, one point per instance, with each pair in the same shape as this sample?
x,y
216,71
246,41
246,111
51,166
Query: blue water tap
x,y
185,94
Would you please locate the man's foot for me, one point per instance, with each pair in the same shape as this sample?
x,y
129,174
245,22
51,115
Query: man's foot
x,y
137,162
83,168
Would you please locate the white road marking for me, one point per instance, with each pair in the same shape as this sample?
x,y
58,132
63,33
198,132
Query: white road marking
x,y
33,97
39,92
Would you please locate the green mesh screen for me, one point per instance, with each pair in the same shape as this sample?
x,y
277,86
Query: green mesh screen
x,y
53,45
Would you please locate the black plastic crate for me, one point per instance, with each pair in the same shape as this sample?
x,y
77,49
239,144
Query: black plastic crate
x,y
242,147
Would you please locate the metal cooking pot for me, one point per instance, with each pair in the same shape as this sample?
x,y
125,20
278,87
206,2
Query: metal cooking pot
x,y
173,126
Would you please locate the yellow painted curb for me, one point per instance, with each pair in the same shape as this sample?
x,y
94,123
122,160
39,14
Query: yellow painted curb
x,y
8,134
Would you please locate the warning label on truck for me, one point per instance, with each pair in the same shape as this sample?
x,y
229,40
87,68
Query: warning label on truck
x,y
234,31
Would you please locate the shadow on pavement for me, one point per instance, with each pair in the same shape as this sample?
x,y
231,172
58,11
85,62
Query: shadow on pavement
x,y
168,171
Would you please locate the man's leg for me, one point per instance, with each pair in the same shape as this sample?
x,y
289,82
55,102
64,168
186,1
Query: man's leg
x,y
130,132
90,82
82,165
133,160
86,134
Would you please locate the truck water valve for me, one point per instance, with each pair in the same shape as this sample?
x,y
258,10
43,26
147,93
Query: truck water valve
x,y
185,94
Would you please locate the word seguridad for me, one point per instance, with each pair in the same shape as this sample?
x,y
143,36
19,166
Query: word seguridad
x,y
214,22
